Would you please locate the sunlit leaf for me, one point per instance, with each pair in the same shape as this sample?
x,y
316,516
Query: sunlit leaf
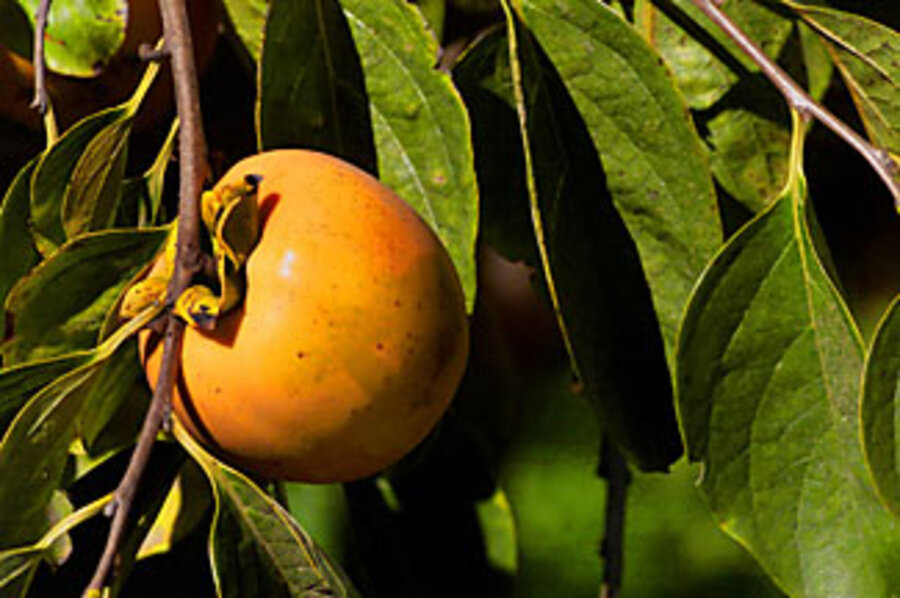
x,y
311,90
704,61
769,365
60,306
881,407
420,125
865,53
248,18
82,35
611,329
256,548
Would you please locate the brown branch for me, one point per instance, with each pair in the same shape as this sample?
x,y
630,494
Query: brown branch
x,y
800,101
614,468
40,101
193,171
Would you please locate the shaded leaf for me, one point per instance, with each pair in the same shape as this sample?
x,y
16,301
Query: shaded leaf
x,y
656,167
768,392
15,27
35,447
17,565
20,383
256,548
311,90
54,171
17,251
248,18
865,52
141,201
82,35
60,306
881,407
420,125
611,329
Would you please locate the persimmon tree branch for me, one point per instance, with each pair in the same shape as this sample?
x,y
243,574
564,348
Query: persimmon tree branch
x,y
614,469
193,170
40,102
800,101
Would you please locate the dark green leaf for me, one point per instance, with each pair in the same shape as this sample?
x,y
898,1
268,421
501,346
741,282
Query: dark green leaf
x,y
311,90
769,365
655,164
35,447
15,28
83,34
17,251
881,407
60,306
18,384
54,171
865,53
17,565
592,267
256,548
249,19
420,125
92,196
142,196
433,12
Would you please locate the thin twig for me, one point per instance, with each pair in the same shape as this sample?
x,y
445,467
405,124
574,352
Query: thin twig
x,y
614,468
40,101
800,101
193,170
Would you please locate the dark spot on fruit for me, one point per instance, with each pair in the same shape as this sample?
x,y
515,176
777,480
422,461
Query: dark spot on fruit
x,y
379,346
300,354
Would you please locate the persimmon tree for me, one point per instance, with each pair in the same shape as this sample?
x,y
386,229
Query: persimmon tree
x,y
679,215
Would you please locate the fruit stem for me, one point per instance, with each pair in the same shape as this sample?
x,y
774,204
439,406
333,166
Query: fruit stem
x,y
800,101
40,65
193,171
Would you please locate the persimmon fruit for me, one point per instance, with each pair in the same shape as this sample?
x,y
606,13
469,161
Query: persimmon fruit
x,y
350,342
75,97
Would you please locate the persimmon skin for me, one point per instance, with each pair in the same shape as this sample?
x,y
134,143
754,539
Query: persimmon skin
x,y
76,97
352,338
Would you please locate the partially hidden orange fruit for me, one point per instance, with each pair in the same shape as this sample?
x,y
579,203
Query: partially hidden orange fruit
x,y
351,340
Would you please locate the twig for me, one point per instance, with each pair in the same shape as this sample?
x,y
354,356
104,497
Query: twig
x,y
800,101
40,64
614,468
193,170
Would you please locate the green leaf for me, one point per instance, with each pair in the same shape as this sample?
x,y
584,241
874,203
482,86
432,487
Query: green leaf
x,y
15,28
865,52
249,19
420,125
591,266
256,548
35,447
60,306
76,186
655,164
768,376
82,35
53,173
881,407
311,90
17,565
750,139
17,252
141,201
704,62
20,383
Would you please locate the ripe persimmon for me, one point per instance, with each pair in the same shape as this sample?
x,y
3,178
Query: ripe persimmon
x,y
351,339
76,97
